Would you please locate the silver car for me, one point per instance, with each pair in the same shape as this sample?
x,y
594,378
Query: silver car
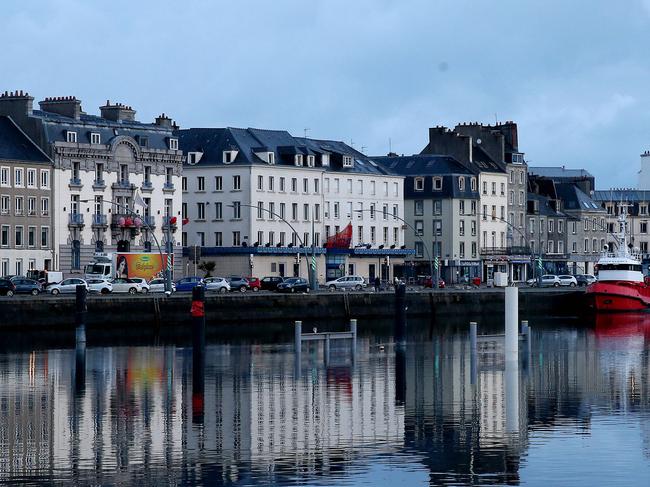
x,y
122,285
216,284
67,286
158,286
346,282
566,280
144,285
547,280
102,286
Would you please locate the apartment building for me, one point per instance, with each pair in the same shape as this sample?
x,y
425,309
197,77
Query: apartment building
x,y
25,203
441,206
100,164
262,202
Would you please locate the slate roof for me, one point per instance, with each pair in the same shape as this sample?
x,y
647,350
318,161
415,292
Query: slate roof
x,y
212,142
621,195
55,127
544,206
422,165
484,162
16,146
573,198
555,172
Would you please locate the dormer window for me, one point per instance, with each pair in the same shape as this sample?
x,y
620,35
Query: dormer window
x,y
473,184
271,158
347,161
461,183
70,136
311,161
229,156
437,183
95,138
143,141
517,158
298,159
173,144
325,160
194,157
418,184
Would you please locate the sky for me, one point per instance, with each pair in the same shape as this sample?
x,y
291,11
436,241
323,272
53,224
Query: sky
x,y
574,75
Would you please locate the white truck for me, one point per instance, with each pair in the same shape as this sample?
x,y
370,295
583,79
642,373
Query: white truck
x,y
146,265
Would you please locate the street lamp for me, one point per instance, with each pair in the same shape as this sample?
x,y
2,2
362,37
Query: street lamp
x,y
168,279
312,273
424,244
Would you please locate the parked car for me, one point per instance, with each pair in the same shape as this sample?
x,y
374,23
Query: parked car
x,y
346,282
585,279
547,280
124,285
217,284
157,285
26,286
143,283
294,285
428,282
254,283
7,287
270,283
67,286
102,286
566,280
238,283
186,284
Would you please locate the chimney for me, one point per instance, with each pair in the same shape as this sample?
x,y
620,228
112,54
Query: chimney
x,y
163,120
68,106
17,105
117,112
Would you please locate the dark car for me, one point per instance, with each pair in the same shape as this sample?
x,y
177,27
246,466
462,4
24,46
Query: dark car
x,y
294,285
270,283
585,279
238,283
26,286
7,287
188,283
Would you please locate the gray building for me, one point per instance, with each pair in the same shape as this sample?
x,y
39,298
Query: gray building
x,y
441,201
25,203
547,234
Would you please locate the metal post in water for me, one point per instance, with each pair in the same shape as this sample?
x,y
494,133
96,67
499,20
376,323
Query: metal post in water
x,y
197,313
473,345
81,310
298,347
353,330
400,313
512,323
326,352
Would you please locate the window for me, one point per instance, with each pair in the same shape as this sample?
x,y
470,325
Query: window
x,y
236,210
70,136
485,187
573,227
19,208
521,197
574,247
18,242
271,238
271,183
260,183
218,239
347,161
594,224
305,185
200,239
461,228
169,175
218,210
336,210
360,234
271,157
419,250
494,188
541,226
236,183
531,225
298,159
236,239
484,215
349,186
18,178
437,183
461,250
173,144
4,236
260,238
45,236
437,207
373,235
395,189
384,211
395,211
511,197
586,223
143,141
294,185
200,211
512,176
229,156
551,249
95,138
4,207
418,184
317,212
4,177
494,212
294,211
200,181
503,189
31,178
560,246
550,225
643,209
316,186
45,206
218,183
396,236
437,228
311,161
473,206
183,182
473,227
31,205
644,227
124,173
282,210
461,183
305,212
372,211
418,207
586,243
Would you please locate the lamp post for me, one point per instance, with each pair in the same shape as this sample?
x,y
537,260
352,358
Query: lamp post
x,y
168,280
313,280
424,244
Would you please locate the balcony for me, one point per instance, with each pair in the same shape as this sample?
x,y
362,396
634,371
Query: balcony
x,y
149,221
168,187
99,184
123,184
75,183
75,220
147,186
505,251
100,221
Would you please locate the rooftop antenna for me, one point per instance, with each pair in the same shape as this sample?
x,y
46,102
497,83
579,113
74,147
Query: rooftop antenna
x,y
306,130
390,146
363,149
352,143
496,120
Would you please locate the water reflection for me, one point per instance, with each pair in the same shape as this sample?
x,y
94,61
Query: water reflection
x,y
411,414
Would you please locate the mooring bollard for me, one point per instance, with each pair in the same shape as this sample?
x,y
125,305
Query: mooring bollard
x,y
473,345
353,347
525,331
512,323
81,310
197,312
400,313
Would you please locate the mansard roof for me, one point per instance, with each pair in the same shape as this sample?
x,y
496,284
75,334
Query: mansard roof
x,y
15,145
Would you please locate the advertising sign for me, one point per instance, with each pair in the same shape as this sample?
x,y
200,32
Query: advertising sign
x,y
145,265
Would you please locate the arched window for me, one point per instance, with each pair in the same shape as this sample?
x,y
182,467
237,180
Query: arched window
x,y
99,246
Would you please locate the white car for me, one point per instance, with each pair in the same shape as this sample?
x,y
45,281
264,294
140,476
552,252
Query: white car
x,y
67,286
346,282
102,286
217,284
143,284
122,285
547,280
158,286
566,280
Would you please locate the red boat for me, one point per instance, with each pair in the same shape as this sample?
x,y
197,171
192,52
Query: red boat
x,y
621,285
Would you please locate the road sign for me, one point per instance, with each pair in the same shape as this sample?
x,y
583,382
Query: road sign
x,y
436,263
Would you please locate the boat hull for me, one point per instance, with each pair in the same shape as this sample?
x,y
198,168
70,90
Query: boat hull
x,y
618,296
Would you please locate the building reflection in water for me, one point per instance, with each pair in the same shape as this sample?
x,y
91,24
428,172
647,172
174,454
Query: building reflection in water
x,y
134,417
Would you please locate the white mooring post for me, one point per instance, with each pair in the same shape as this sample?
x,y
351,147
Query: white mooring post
x,y
512,323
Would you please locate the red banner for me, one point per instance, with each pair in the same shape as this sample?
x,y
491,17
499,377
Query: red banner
x,y
340,240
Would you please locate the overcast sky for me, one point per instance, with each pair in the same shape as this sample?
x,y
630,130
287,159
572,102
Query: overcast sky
x,y
574,75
